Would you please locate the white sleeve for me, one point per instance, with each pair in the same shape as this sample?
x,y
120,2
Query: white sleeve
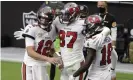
x,y
95,42
30,33
27,27
29,42
106,31
54,31
114,33
92,44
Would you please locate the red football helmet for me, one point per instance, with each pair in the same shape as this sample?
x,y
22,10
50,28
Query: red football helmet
x,y
69,13
93,24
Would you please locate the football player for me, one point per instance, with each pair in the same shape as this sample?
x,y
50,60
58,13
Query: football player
x,y
69,29
38,47
56,5
98,59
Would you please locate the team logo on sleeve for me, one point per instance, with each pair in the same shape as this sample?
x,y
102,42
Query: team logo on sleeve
x,y
29,18
107,39
27,31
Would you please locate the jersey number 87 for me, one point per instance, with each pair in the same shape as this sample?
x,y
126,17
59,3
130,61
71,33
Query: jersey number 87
x,y
64,34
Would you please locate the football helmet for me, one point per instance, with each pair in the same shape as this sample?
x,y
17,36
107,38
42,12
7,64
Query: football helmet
x,y
45,16
93,24
69,13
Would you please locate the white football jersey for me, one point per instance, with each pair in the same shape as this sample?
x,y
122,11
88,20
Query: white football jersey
x,y
103,52
41,41
71,40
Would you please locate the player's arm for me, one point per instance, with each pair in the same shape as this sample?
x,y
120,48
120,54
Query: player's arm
x,y
91,53
54,30
114,59
99,38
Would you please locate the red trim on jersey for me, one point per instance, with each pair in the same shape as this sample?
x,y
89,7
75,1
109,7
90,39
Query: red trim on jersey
x,y
81,75
23,71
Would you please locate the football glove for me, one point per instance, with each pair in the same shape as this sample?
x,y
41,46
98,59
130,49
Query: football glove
x,y
18,34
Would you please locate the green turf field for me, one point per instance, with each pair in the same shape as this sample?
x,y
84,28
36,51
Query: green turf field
x,y
12,71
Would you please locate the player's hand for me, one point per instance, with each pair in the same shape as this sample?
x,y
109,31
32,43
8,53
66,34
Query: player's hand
x,y
18,34
60,63
72,78
53,60
61,66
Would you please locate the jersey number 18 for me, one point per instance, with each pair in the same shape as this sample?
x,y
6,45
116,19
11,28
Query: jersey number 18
x,y
106,53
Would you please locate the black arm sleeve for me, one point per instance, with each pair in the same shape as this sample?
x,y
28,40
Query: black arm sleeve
x,y
91,53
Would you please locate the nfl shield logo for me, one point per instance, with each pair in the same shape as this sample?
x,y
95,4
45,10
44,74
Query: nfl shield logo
x,y
29,18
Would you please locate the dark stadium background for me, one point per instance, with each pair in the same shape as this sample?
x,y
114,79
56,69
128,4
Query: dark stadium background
x,y
11,15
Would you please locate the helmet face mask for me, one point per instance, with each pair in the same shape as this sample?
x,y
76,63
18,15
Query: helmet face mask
x,y
69,13
64,17
45,16
44,20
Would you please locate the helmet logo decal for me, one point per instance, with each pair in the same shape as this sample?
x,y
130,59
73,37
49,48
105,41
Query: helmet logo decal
x,y
94,19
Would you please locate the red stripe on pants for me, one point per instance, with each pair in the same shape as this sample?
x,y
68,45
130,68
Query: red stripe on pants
x,y
81,75
23,71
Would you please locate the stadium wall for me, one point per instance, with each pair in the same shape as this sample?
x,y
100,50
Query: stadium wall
x,y
12,15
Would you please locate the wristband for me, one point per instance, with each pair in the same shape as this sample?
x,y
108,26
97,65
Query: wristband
x,y
112,69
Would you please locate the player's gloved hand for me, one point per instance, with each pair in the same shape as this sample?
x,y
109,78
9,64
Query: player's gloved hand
x,y
113,73
18,34
72,78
